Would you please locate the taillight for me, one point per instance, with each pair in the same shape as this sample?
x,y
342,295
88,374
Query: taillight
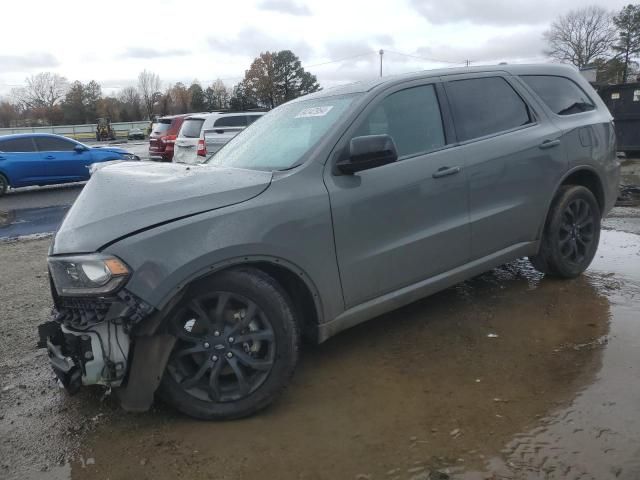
x,y
202,148
169,139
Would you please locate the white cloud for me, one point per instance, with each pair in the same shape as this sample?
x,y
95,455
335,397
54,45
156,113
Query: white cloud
x,y
206,40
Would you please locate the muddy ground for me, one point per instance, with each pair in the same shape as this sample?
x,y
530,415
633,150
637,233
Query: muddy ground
x,y
510,375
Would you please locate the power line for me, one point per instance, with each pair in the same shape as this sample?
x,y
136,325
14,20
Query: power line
x,y
423,58
341,59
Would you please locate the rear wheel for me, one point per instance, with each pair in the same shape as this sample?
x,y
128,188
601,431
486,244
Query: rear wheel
x,y
571,234
236,349
4,185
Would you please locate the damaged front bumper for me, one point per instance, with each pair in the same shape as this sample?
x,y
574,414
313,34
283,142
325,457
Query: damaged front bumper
x,y
89,340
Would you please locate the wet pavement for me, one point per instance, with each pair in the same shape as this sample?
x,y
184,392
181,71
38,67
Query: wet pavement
x,y
40,210
507,376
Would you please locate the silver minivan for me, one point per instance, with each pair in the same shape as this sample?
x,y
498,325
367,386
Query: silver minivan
x,y
205,133
197,282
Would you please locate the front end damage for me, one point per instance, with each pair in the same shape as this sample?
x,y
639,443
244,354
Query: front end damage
x,y
109,341
89,340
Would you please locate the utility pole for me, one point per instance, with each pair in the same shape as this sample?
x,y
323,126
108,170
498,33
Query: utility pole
x,y
381,52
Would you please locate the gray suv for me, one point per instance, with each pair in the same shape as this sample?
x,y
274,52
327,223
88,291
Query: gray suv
x,y
197,282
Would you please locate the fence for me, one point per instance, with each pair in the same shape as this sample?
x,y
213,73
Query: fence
x,y
85,132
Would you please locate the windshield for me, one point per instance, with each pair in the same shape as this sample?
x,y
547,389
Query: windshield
x,y
281,138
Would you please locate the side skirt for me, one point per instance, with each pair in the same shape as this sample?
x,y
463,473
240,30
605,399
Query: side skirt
x,y
411,293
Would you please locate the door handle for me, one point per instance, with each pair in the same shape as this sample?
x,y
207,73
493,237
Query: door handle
x,y
446,171
549,144
2,158
49,157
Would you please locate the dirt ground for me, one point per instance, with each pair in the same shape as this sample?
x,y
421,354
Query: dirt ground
x,y
507,376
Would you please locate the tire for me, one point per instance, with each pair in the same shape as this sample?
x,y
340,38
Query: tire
x,y
571,233
255,338
4,185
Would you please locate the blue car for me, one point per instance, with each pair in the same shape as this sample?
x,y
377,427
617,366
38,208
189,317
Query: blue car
x,y
44,159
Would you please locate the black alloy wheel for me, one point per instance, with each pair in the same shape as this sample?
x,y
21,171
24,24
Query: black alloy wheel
x,y
576,231
225,348
236,346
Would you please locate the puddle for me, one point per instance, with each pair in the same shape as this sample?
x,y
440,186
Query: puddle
x,y
509,375
31,221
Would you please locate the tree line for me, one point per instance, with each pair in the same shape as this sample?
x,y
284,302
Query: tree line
x,y
594,36
50,99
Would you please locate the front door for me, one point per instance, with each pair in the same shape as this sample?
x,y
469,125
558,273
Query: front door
x,y
63,162
404,222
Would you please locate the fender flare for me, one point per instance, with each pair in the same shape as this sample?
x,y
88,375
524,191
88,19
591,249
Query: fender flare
x,y
150,325
566,175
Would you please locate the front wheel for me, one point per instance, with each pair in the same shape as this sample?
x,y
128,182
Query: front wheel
x,y
236,349
571,234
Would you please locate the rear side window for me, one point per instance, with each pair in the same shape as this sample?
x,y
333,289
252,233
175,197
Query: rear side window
x,y
411,117
235,121
52,144
485,106
252,118
562,96
191,127
17,145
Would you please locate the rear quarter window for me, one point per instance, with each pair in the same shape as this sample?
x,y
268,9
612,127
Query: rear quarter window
x,y
562,95
234,121
191,127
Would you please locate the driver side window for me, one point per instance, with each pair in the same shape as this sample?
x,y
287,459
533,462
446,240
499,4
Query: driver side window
x,y
411,117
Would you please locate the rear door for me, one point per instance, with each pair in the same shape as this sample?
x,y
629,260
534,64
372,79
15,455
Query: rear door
x,y
513,155
20,161
63,162
187,141
404,222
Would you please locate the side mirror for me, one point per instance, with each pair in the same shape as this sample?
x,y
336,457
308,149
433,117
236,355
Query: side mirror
x,y
367,152
80,148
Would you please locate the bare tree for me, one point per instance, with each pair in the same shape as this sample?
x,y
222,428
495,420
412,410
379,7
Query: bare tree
x,y
581,36
131,102
149,88
221,95
42,91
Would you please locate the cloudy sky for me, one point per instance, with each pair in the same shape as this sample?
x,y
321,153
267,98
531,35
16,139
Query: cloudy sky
x,y
204,40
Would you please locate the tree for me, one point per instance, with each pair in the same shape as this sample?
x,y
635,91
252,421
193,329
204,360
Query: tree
x,y
219,95
9,113
581,36
180,98
196,94
92,95
130,104
240,99
291,80
149,89
628,45
277,77
73,104
42,94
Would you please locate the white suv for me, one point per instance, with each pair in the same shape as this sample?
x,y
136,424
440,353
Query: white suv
x,y
204,134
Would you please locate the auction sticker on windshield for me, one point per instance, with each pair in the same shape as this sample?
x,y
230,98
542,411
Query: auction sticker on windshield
x,y
314,111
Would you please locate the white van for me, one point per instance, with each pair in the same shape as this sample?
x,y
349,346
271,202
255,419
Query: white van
x,y
204,134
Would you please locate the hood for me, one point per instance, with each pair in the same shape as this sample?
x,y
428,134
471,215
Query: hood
x,y
132,196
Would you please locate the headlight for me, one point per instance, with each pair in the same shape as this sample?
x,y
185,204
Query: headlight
x,y
80,275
